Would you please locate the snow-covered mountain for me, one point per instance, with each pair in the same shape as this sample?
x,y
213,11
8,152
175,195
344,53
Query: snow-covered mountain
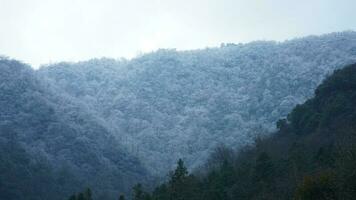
x,y
181,104
51,146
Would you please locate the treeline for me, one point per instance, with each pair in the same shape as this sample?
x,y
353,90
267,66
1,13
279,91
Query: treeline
x,y
311,157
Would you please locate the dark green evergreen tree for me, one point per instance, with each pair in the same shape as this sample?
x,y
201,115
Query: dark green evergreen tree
x,y
178,181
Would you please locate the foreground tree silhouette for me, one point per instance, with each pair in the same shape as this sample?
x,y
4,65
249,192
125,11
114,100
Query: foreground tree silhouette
x,y
182,186
180,173
177,182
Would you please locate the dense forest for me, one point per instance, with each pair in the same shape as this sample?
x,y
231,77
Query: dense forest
x,y
46,151
312,156
182,104
107,124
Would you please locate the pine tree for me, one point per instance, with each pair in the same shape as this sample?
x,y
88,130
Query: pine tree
x,y
180,173
177,182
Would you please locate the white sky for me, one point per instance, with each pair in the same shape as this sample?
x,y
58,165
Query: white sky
x,y
42,31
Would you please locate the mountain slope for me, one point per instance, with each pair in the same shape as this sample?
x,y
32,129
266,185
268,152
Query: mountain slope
x,y
311,156
50,145
168,105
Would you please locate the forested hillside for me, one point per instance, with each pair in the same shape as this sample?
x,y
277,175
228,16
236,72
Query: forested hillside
x,y
182,104
312,156
107,124
50,146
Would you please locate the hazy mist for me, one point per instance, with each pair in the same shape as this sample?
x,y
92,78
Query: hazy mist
x,y
42,31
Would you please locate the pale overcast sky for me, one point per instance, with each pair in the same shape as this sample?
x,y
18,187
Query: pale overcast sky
x,y
43,31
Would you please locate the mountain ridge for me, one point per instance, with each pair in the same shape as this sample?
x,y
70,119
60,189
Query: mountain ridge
x,y
310,156
61,143
108,123
144,97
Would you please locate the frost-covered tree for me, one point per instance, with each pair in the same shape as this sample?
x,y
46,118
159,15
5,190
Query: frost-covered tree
x,y
107,123
182,104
